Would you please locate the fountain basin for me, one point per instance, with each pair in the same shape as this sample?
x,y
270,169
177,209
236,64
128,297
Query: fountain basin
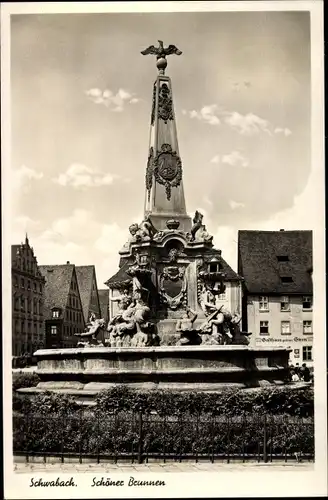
x,y
84,372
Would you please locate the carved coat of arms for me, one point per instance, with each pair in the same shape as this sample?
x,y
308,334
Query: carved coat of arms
x,y
173,286
167,169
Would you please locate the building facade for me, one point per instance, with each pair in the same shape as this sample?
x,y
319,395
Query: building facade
x,y
87,283
63,312
27,301
104,304
277,290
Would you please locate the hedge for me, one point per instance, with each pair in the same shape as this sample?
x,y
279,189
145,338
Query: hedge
x,y
274,401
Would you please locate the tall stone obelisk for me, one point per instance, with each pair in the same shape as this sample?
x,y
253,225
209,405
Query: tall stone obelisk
x,y
164,198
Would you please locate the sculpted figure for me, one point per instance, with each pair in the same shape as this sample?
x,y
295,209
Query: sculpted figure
x,y
204,235
90,337
197,224
185,325
146,228
123,323
141,315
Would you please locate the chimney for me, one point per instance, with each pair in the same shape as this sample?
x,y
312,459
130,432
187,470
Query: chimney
x,y
68,262
281,230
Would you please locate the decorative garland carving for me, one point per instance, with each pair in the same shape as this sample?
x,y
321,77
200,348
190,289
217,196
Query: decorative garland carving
x,y
152,121
149,171
165,108
167,169
173,273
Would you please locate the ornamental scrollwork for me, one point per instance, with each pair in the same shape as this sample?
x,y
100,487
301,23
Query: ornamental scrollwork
x,y
167,169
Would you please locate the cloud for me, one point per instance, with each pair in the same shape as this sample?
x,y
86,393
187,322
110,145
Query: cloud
x,y
235,204
207,114
235,158
249,124
112,238
115,102
285,131
215,159
23,176
82,176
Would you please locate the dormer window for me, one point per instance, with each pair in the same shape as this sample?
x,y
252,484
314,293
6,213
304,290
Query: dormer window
x,y
286,279
282,258
214,267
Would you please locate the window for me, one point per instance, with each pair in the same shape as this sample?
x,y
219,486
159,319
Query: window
x,y
16,303
222,296
263,303
264,327
286,279
53,330
282,258
34,286
284,303
307,302
307,353
40,288
29,285
307,327
285,328
213,267
55,314
23,303
22,282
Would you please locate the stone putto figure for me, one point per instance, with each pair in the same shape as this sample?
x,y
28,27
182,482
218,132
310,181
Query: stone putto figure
x,y
90,337
185,326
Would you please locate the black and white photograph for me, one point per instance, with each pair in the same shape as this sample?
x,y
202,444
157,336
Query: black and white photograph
x,y
164,249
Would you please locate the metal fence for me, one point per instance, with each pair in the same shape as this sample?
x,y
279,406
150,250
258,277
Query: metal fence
x,y
140,437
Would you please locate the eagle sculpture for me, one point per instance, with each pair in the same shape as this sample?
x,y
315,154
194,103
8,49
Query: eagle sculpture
x,y
161,52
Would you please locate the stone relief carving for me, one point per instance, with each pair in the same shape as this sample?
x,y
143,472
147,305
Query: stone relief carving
x,y
165,108
149,172
167,169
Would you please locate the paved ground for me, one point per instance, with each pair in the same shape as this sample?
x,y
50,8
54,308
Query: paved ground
x,y
158,467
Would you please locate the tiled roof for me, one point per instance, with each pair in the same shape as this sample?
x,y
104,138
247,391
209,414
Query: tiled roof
x,y
121,277
57,286
258,263
85,276
104,302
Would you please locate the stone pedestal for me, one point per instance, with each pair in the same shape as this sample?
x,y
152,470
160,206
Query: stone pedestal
x,y
83,373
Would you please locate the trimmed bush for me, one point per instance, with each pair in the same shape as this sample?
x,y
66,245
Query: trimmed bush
x,y
25,380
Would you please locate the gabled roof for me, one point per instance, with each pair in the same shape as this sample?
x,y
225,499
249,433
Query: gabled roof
x,y
258,263
104,302
58,281
85,276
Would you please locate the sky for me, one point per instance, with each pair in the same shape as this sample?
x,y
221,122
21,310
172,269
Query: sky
x,y
81,96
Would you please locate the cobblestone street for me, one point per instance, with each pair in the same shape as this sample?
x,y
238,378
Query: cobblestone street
x,y
159,467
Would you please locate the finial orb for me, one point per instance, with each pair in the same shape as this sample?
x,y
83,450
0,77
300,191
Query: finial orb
x,y
161,64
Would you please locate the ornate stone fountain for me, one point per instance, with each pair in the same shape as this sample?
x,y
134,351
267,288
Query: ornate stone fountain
x,y
170,326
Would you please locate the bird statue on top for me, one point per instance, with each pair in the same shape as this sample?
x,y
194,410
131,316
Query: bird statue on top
x,y
161,52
